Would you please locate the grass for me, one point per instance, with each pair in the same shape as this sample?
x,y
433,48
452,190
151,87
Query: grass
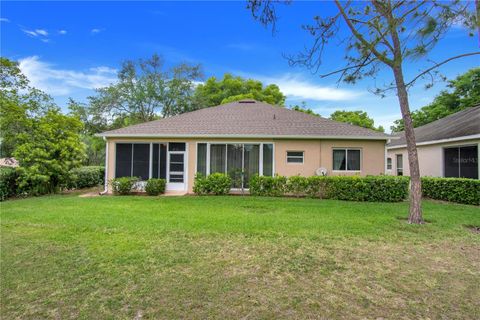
x,y
236,257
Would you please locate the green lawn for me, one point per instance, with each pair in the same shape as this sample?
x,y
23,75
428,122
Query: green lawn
x,y
236,257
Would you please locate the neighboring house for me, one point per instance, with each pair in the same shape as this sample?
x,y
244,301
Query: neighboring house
x,y
252,136
448,147
8,162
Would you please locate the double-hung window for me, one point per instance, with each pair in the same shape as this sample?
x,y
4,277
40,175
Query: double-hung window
x,y
389,163
346,159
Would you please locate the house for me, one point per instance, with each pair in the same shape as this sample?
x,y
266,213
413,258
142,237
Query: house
x,y
448,147
9,162
249,136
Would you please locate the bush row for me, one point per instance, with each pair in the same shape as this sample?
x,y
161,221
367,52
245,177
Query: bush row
x,y
216,183
355,188
127,185
459,190
85,177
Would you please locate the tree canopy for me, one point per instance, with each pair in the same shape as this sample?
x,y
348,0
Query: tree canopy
x,y
357,118
464,93
231,88
146,90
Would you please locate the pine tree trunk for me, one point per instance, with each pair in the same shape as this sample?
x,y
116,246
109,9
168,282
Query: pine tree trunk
x,y
415,181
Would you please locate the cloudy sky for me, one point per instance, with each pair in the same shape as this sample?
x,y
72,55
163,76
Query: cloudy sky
x,y
68,49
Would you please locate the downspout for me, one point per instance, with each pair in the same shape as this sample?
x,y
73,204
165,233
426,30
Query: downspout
x,y
105,190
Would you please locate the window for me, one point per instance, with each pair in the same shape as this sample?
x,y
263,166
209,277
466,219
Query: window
x,y
399,164
132,160
389,163
268,159
346,159
202,158
294,156
239,160
461,162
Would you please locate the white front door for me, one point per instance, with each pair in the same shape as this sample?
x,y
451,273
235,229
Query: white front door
x,y
176,168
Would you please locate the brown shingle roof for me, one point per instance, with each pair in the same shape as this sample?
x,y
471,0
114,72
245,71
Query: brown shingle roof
x,y
460,124
246,118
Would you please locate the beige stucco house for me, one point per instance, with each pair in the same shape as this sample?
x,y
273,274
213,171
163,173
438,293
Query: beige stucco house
x,y
448,147
245,136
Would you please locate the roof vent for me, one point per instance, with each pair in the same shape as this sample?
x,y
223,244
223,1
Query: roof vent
x,y
246,101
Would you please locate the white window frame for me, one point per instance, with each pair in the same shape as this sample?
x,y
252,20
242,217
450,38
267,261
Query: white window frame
x,y
346,159
260,158
389,166
295,157
396,164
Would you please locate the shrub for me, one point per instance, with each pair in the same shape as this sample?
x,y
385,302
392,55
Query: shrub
x,y
355,188
459,190
268,186
8,183
297,185
123,185
370,188
216,183
154,187
316,187
85,177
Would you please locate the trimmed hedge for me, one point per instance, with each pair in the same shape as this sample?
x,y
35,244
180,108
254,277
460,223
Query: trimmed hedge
x,y
123,186
216,183
275,186
85,177
154,187
458,190
353,188
8,183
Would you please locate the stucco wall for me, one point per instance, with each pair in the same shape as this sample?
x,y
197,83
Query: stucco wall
x,y
430,158
316,154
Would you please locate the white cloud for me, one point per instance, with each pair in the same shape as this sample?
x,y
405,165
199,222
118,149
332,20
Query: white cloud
x,y
41,32
4,20
96,30
30,33
62,32
62,82
45,40
296,87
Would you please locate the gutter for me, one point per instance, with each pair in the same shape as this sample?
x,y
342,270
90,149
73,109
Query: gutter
x,y
424,143
300,137
105,190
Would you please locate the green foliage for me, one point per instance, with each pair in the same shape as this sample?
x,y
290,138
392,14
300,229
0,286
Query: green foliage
x,y
357,118
216,183
95,150
214,92
303,108
297,185
354,188
85,177
154,187
145,88
459,190
370,188
464,93
8,183
124,185
20,105
275,186
48,152
316,187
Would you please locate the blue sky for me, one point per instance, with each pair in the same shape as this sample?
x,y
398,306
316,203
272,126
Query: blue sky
x,y
68,49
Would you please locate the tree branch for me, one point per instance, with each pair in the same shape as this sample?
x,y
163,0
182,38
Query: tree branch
x,y
439,64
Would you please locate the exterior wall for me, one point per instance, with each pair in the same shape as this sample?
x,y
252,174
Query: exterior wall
x,y
430,158
317,153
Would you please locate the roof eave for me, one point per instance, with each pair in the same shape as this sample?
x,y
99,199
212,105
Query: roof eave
x,y
220,136
424,143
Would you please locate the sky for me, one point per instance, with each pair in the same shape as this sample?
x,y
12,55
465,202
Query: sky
x,y
68,49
